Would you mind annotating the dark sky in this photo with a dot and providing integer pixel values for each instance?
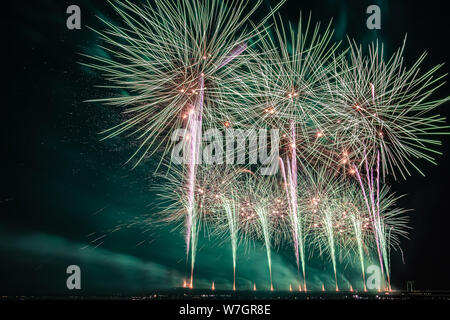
(62, 188)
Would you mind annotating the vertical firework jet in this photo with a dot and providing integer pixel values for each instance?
(231, 210)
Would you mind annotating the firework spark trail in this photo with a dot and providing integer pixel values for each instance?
(293, 208)
(369, 210)
(264, 223)
(372, 89)
(230, 208)
(369, 177)
(289, 199)
(194, 140)
(292, 170)
(384, 252)
(293, 194)
(327, 220)
(296, 214)
(385, 255)
(378, 183)
(379, 231)
(378, 228)
(356, 222)
(234, 53)
(291, 211)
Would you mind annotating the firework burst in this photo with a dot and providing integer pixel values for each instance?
(172, 58)
(382, 106)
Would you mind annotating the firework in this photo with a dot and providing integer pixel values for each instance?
(381, 106)
(347, 121)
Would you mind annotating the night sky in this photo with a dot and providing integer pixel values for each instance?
(62, 189)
